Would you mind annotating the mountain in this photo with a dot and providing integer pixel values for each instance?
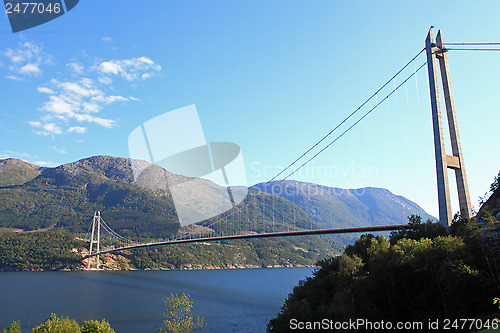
(17, 172)
(332, 207)
(65, 197)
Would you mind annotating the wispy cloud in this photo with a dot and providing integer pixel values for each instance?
(129, 69)
(30, 158)
(30, 68)
(75, 67)
(14, 78)
(105, 80)
(35, 123)
(25, 60)
(45, 128)
(77, 100)
(45, 90)
(48, 129)
(59, 150)
(82, 98)
(76, 129)
(16, 154)
(82, 90)
(47, 164)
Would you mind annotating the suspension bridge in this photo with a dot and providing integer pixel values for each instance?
(233, 225)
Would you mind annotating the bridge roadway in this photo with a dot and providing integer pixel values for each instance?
(264, 235)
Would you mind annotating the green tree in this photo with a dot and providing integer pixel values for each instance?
(95, 326)
(57, 325)
(495, 184)
(412, 279)
(493, 187)
(418, 230)
(177, 317)
(15, 327)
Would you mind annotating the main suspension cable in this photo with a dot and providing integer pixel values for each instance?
(347, 130)
(348, 117)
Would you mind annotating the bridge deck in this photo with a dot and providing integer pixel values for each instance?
(264, 235)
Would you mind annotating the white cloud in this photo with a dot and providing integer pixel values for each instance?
(89, 107)
(107, 39)
(15, 78)
(28, 158)
(105, 80)
(16, 154)
(77, 129)
(110, 67)
(73, 99)
(58, 105)
(81, 117)
(30, 69)
(108, 123)
(45, 90)
(50, 129)
(26, 59)
(130, 69)
(76, 88)
(54, 117)
(146, 60)
(113, 99)
(87, 83)
(109, 99)
(75, 67)
(35, 123)
(82, 92)
(26, 51)
(59, 150)
(46, 163)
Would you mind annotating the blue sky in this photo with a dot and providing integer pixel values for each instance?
(271, 76)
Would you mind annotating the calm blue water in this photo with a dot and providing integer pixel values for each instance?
(241, 300)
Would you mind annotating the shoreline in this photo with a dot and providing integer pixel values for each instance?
(183, 268)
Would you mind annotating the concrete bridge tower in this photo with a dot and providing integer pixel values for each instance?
(436, 52)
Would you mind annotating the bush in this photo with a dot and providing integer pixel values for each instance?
(95, 326)
(177, 317)
(15, 327)
(57, 324)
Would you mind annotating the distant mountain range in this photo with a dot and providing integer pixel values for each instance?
(332, 207)
(66, 196)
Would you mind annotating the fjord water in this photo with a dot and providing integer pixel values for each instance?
(242, 300)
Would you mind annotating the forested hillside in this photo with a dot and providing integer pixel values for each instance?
(64, 199)
(417, 275)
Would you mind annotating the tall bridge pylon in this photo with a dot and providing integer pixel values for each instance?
(94, 238)
(436, 52)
